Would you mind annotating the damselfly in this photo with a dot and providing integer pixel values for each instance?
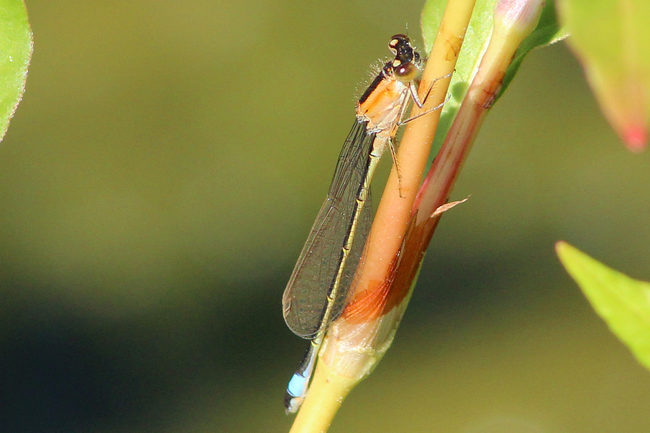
(317, 290)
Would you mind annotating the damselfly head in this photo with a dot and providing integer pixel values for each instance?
(399, 44)
(407, 61)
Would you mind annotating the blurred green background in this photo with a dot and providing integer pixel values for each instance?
(161, 175)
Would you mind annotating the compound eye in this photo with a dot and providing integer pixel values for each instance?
(397, 41)
(405, 71)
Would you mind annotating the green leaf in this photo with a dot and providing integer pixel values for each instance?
(15, 53)
(623, 302)
(477, 37)
(612, 40)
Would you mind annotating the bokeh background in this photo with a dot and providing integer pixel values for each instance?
(161, 175)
